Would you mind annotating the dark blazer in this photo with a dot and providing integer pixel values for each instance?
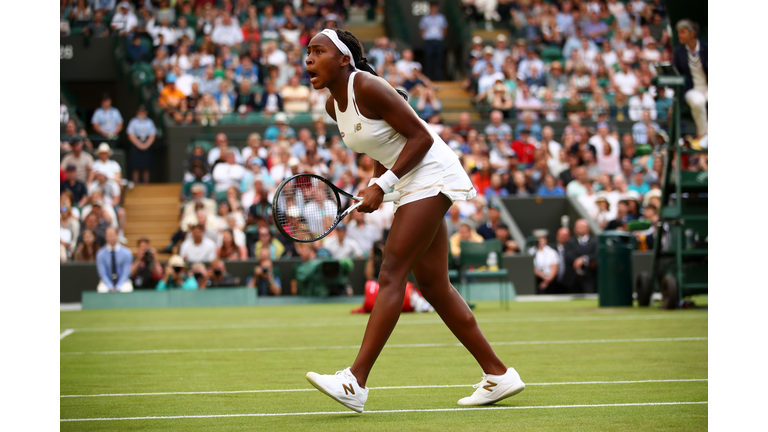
(264, 100)
(680, 60)
(574, 250)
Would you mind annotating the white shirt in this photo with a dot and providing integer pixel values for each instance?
(588, 202)
(110, 168)
(110, 190)
(486, 81)
(697, 69)
(625, 82)
(226, 175)
(637, 105)
(405, 67)
(215, 153)
(277, 58)
(227, 35)
(365, 235)
(65, 235)
(169, 36)
(317, 225)
(348, 249)
(124, 22)
(194, 253)
(544, 258)
(184, 83)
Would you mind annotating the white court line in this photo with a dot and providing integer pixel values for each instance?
(378, 388)
(436, 345)
(386, 411)
(362, 323)
(66, 333)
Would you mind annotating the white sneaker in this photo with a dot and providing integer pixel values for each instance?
(494, 388)
(342, 387)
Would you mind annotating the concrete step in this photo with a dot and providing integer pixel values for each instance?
(490, 35)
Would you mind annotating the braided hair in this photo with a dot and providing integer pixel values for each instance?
(348, 39)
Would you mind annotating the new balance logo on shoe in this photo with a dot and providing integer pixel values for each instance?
(349, 389)
(490, 385)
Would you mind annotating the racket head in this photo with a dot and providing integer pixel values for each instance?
(306, 207)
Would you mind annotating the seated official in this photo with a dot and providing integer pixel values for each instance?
(113, 263)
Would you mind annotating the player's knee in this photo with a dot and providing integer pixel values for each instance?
(695, 99)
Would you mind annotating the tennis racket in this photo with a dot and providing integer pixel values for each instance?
(307, 207)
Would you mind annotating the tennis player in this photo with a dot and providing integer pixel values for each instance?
(374, 119)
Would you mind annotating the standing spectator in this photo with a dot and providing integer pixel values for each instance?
(266, 278)
(107, 120)
(563, 235)
(691, 58)
(176, 277)
(141, 132)
(72, 184)
(581, 255)
(432, 29)
(113, 263)
(146, 270)
(340, 246)
(124, 21)
(198, 248)
(545, 264)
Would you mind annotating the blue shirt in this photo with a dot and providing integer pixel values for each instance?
(123, 259)
(142, 128)
(433, 26)
(556, 192)
(490, 192)
(535, 130)
(107, 120)
(273, 132)
(251, 74)
(642, 189)
(640, 132)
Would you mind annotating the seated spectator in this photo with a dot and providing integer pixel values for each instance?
(526, 102)
(217, 153)
(87, 248)
(207, 111)
(529, 124)
(519, 186)
(267, 242)
(218, 276)
(550, 188)
(124, 21)
(340, 246)
(508, 246)
(625, 80)
(545, 264)
(96, 28)
(227, 32)
(183, 115)
(271, 102)
(176, 277)
(266, 278)
(644, 131)
(81, 11)
(72, 134)
(453, 219)
(198, 197)
(524, 147)
(551, 109)
(495, 189)
(97, 225)
(106, 120)
(72, 184)
(227, 174)
(110, 168)
(170, 97)
(488, 229)
(113, 263)
(577, 186)
(246, 98)
(280, 129)
(464, 125)
(574, 105)
(604, 213)
(640, 102)
(638, 183)
(229, 251)
(295, 96)
(363, 232)
(496, 127)
(198, 248)
(465, 233)
(556, 80)
(597, 105)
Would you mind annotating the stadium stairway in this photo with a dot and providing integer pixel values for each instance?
(152, 211)
(366, 31)
(455, 100)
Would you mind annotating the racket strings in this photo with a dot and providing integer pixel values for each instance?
(306, 208)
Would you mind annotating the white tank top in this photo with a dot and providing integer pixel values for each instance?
(379, 140)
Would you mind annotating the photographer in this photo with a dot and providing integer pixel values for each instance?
(145, 270)
(266, 278)
(175, 276)
(200, 273)
(218, 276)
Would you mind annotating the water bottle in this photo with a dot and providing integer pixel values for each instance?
(564, 221)
(492, 261)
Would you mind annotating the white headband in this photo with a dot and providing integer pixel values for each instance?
(339, 44)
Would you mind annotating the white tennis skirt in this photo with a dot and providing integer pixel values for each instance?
(431, 179)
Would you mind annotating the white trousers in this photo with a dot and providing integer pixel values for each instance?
(697, 100)
(125, 288)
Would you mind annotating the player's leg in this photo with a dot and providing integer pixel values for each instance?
(432, 276)
(412, 232)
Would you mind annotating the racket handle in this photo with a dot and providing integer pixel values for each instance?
(390, 197)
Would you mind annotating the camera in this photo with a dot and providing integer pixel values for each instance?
(265, 269)
(217, 272)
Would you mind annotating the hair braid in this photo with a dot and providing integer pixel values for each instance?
(356, 48)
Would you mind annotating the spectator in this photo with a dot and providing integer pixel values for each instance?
(495, 189)
(228, 250)
(227, 174)
(210, 83)
(72, 184)
(97, 225)
(691, 58)
(87, 248)
(641, 101)
(604, 213)
(362, 232)
(465, 233)
(295, 96)
(267, 242)
(488, 229)
(72, 134)
(545, 264)
(519, 186)
(110, 168)
(644, 131)
(68, 221)
(182, 29)
(581, 256)
(432, 29)
(597, 105)
(607, 149)
(141, 132)
(170, 97)
(638, 181)
(625, 80)
(198, 248)
(526, 103)
(496, 127)
(550, 188)
(246, 98)
(113, 263)
(563, 235)
(271, 101)
(266, 278)
(578, 187)
(280, 129)
(163, 34)
(175, 276)
(217, 153)
(524, 147)
(146, 270)
(340, 246)
(96, 28)
(551, 109)
(207, 111)
(198, 192)
(574, 106)
(81, 11)
(107, 120)
(218, 276)
(464, 125)
(529, 124)
(453, 219)
(556, 81)
(508, 245)
(124, 21)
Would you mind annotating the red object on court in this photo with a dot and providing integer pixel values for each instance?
(372, 289)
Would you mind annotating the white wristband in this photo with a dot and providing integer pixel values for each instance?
(387, 180)
(372, 181)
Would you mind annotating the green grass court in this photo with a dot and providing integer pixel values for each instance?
(243, 368)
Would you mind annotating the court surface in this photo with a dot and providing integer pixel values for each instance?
(243, 368)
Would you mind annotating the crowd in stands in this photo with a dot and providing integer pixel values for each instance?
(212, 59)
